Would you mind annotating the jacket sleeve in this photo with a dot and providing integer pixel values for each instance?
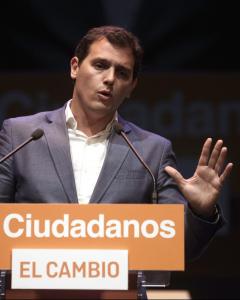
(198, 232)
(7, 184)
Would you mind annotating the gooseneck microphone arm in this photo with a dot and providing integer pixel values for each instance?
(37, 134)
(119, 130)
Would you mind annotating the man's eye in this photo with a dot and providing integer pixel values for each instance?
(100, 66)
(123, 74)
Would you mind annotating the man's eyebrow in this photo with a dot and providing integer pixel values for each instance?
(96, 59)
(123, 68)
(105, 60)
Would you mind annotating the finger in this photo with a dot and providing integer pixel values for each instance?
(221, 159)
(226, 172)
(215, 154)
(175, 175)
(203, 160)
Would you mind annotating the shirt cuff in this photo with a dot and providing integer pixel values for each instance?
(214, 218)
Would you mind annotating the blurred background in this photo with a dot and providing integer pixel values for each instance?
(188, 90)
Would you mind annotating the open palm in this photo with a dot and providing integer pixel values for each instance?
(203, 188)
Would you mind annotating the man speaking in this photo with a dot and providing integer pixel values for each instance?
(89, 154)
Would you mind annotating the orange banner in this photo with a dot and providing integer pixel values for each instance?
(152, 234)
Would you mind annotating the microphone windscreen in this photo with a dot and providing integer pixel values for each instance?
(37, 134)
(117, 127)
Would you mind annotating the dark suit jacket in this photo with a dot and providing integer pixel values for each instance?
(42, 171)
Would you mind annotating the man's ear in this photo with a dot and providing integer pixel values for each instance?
(134, 83)
(74, 65)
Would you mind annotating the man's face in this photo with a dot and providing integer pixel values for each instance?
(103, 79)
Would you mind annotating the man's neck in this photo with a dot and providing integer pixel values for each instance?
(89, 123)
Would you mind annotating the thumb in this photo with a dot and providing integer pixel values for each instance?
(175, 175)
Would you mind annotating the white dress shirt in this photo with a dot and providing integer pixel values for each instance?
(87, 154)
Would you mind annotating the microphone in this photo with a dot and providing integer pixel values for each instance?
(119, 130)
(37, 134)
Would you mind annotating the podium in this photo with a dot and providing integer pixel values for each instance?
(135, 291)
(92, 251)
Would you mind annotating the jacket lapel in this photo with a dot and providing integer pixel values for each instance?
(57, 138)
(58, 143)
(115, 156)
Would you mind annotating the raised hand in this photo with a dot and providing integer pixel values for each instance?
(203, 188)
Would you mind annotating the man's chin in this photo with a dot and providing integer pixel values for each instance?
(103, 111)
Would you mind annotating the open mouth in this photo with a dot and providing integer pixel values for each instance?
(105, 95)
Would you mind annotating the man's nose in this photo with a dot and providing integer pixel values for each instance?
(109, 76)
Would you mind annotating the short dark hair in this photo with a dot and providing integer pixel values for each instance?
(117, 36)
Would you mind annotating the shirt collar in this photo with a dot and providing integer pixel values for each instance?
(72, 123)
